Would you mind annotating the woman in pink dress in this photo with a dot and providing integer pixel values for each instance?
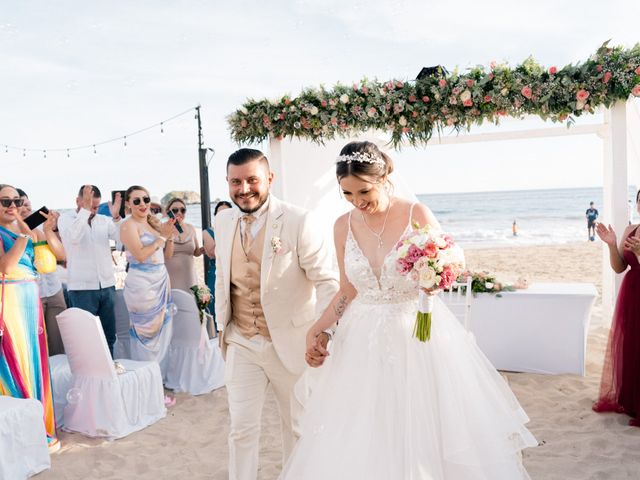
(620, 384)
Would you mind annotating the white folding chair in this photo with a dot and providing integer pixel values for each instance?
(61, 379)
(23, 439)
(458, 299)
(194, 362)
(121, 349)
(101, 402)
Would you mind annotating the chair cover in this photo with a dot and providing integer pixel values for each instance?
(458, 300)
(23, 440)
(100, 402)
(121, 348)
(194, 362)
(61, 379)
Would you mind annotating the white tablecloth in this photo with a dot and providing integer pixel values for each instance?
(542, 329)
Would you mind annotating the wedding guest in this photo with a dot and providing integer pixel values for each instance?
(155, 207)
(85, 236)
(49, 284)
(620, 383)
(147, 288)
(24, 364)
(209, 246)
(25, 209)
(185, 247)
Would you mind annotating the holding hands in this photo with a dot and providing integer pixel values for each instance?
(316, 348)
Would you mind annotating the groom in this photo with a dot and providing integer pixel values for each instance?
(274, 279)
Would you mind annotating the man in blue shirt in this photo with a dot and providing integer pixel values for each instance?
(592, 215)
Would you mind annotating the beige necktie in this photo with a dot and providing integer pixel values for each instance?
(247, 237)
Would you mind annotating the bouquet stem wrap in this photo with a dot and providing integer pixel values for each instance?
(422, 328)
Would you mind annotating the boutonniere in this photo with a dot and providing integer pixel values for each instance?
(276, 245)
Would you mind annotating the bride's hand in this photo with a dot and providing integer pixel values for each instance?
(316, 350)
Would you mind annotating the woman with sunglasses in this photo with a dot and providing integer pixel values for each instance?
(24, 363)
(209, 248)
(147, 289)
(185, 246)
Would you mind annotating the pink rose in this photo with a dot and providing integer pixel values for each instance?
(582, 95)
(447, 277)
(334, 121)
(281, 117)
(323, 103)
(414, 114)
(493, 64)
(390, 85)
(468, 102)
(449, 240)
(425, 99)
(607, 77)
(414, 253)
(553, 71)
(456, 90)
(491, 76)
(442, 82)
(470, 82)
(412, 98)
(526, 92)
(243, 123)
(403, 266)
(636, 91)
(399, 84)
(287, 101)
(637, 70)
(598, 68)
(355, 87)
(487, 98)
(365, 90)
(431, 250)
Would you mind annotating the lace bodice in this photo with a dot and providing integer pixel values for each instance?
(391, 287)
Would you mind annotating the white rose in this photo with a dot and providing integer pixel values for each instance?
(344, 98)
(466, 95)
(421, 264)
(504, 92)
(488, 285)
(314, 110)
(244, 110)
(402, 121)
(427, 278)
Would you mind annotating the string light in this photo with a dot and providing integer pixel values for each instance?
(123, 138)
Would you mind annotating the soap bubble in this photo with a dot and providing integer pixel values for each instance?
(74, 395)
(173, 309)
(40, 330)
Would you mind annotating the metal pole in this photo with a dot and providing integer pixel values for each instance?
(205, 199)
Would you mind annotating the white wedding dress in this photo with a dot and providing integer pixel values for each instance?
(389, 407)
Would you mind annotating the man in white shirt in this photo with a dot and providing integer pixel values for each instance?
(85, 236)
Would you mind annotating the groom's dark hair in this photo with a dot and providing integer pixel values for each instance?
(246, 155)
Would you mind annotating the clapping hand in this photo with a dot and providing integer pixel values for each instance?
(114, 207)
(52, 220)
(632, 243)
(606, 234)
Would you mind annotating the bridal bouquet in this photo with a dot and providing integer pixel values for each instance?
(203, 298)
(432, 258)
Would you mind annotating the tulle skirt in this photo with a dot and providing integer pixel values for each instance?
(386, 406)
(620, 385)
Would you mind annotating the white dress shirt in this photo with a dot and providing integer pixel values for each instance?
(89, 261)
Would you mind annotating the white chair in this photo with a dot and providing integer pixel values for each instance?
(458, 299)
(194, 362)
(61, 379)
(100, 402)
(23, 439)
(121, 349)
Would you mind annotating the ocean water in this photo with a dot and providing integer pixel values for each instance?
(484, 219)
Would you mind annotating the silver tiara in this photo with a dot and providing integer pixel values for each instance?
(362, 157)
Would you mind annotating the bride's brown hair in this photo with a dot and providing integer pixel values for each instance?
(151, 219)
(376, 164)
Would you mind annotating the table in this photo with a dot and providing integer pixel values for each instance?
(542, 329)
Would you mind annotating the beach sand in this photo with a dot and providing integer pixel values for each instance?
(575, 443)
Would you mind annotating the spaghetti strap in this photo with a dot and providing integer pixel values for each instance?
(349, 221)
(411, 214)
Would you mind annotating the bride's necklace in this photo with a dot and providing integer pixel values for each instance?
(378, 235)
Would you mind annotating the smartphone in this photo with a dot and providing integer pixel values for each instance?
(34, 220)
(177, 224)
(113, 200)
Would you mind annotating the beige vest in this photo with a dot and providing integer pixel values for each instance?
(246, 309)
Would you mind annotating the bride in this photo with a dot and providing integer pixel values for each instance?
(386, 406)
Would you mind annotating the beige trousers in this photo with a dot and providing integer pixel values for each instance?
(251, 366)
(51, 307)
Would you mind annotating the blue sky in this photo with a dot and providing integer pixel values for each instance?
(79, 72)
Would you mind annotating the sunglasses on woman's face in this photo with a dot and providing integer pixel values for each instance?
(137, 201)
(155, 210)
(6, 202)
(179, 210)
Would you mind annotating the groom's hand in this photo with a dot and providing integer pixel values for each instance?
(317, 350)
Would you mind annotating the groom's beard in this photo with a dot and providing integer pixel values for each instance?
(261, 201)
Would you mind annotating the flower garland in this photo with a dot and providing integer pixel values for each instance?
(411, 111)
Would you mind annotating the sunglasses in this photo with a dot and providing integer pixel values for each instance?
(155, 210)
(179, 210)
(6, 202)
(138, 201)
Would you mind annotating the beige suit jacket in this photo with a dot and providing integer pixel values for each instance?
(296, 284)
